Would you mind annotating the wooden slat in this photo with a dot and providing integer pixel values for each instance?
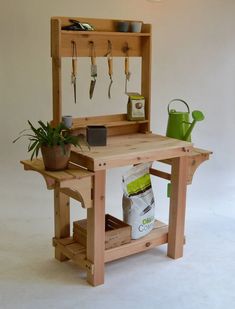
(146, 75)
(115, 124)
(105, 33)
(177, 207)
(84, 121)
(100, 40)
(160, 174)
(74, 251)
(96, 230)
(131, 149)
(56, 71)
(98, 23)
(156, 237)
(61, 219)
(38, 166)
(106, 123)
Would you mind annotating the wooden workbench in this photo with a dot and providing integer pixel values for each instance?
(85, 181)
(128, 143)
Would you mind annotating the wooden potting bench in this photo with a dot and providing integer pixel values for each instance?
(128, 143)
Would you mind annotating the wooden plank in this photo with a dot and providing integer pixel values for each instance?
(75, 252)
(84, 121)
(177, 207)
(71, 173)
(131, 149)
(106, 33)
(146, 75)
(96, 230)
(100, 24)
(38, 166)
(57, 91)
(156, 237)
(160, 174)
(116, 124)
(56, 70)
(55, 37)
(80, 123)
(100, 40)
(134, 144)
(65, 241)
(61, 219)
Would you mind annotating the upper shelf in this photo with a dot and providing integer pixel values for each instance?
(106, 33)
(104, 30)
(116, 124)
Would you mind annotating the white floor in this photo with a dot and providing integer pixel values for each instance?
(31, 278)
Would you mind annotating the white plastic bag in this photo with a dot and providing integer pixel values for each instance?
(138, 200)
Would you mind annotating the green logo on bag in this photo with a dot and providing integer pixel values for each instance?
(148, 220)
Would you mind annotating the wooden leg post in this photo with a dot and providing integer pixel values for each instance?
(62, 219)
(177, 208)
(96, 231)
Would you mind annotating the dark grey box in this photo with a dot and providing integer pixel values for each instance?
(96, 135)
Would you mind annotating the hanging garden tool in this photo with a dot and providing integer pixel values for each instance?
(93, 69)
(74, 70)
(127, 72)
(110, 67)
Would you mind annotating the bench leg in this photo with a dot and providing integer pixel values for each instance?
(177, 207)
(96, 230)
(61, 219)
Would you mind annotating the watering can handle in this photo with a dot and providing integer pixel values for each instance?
(168, 107)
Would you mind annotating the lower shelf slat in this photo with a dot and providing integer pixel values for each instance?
(158, 236)
(77, 252)
(74, 251)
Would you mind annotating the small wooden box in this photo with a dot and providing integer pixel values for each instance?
(117, 232)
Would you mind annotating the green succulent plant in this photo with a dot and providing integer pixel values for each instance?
(46, 135)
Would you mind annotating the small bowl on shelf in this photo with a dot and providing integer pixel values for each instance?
(136, 26)
(122, 26)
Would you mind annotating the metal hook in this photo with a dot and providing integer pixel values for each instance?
(126, 48)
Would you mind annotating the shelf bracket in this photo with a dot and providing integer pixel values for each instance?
(80, 190)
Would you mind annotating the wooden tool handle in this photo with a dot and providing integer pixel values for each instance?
(93, 60)
(74, 65)
(110, 64)
(126, 65)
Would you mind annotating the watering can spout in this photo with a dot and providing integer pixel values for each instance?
(197, 116)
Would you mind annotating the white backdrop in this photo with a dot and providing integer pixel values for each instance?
(193, 59)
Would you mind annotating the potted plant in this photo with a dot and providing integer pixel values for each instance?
(54, 142)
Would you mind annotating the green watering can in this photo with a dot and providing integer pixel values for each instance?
(179, 126)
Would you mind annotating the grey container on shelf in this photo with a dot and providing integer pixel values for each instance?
(122, 26)
(96, 135)
(136, 26)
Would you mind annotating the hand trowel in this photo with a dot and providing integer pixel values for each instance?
(93, 70)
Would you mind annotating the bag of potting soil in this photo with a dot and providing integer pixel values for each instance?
(138, 200)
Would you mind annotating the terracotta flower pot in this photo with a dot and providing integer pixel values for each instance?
(54, 157)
